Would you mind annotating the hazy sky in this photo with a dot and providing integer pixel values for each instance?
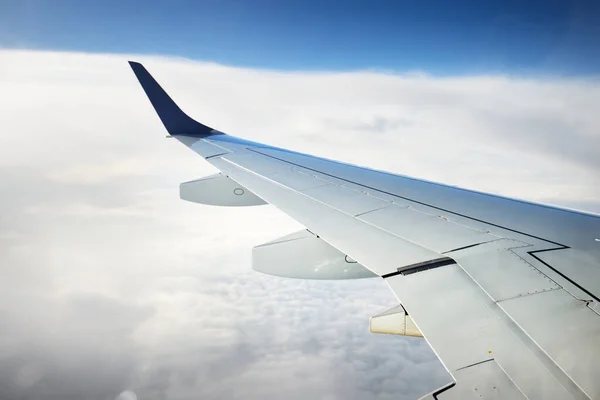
(112, 287)
(462, 37)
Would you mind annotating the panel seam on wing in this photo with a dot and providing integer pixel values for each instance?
(408, 199)
(322, 203)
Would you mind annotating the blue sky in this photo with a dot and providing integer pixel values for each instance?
(439, 37)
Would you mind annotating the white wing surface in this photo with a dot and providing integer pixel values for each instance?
(506, 292)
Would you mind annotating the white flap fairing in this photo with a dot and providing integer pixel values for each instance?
(305, 256)
(218, 190)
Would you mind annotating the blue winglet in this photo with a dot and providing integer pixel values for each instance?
(176, 121)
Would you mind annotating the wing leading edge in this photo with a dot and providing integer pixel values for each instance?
(487, 280)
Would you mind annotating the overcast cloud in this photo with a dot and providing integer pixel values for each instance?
(112, 287)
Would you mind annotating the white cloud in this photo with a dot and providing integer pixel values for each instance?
(113, 287)
(126, 395)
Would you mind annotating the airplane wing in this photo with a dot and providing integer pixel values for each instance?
(506, 292)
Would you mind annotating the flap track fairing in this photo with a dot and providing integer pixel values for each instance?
(304, 255)
(218, 190)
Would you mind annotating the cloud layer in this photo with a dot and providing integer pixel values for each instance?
(111, 287)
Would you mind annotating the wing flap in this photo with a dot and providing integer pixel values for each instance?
(466, 327)
(566, 329)
(485, 380)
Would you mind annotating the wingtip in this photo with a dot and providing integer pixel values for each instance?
(173, 118)
(135, 65)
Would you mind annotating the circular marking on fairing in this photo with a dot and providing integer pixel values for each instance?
(238, 191)
(350, 260)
